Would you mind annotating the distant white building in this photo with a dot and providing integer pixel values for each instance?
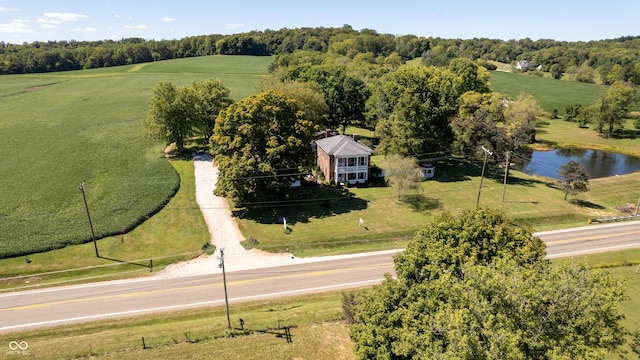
(522, 64)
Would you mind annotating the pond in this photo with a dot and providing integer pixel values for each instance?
(597, 163)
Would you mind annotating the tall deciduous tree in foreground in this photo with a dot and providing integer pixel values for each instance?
(259, 145)
(471, 286)
(574, 178)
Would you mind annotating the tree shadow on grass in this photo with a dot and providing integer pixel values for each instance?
(453, 170)
(421, 203)
(524, 182)
(309, 202)
(626, 134)
(586, 204)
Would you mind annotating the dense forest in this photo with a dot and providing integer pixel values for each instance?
(602, 61)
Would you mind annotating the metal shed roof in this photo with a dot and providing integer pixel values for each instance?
(342, 145)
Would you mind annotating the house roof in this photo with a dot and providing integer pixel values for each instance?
(342, 145)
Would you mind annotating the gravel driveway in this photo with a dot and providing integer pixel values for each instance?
(225, 233)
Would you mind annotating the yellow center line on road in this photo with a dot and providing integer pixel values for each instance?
(590, 238)
(150, 292)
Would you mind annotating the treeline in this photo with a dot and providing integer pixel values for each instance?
(602, 61)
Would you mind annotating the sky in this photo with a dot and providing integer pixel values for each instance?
(88, 20)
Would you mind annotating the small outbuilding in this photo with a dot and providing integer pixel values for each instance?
(428, 170)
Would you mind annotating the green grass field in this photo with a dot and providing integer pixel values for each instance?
(61, 129)
(551, 94)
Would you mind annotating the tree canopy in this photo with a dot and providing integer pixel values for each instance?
(574, 178)
(176, 113)
(402, 172)
(261, 145)
(344, 95)
(166, 120)
(414, 105)
(612, 108)
(472, 286)
(603, 61)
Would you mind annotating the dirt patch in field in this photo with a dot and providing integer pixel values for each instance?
(38, 87)
(34, 88)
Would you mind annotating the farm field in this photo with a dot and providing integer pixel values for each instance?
(62, 129)
(551, 94)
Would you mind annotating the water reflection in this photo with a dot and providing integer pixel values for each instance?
(597, 163)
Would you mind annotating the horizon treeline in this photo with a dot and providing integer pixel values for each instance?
(602, 61)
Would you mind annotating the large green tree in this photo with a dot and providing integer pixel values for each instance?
(612, 108)
(345, 95)
(472, 286)
(477, 124)
(403, 173)
(260, 145)
(309, 96)
(521, 118)
(166, 120)
(178, 112)
(207, 99)
(413, 106)
(469, 76)
(574, 178)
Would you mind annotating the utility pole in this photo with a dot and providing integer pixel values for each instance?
(93, 235)
(637, 206)
(224, 280)
(484, 164)
(506, 174)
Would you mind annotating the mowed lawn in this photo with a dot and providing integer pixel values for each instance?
(59, 130)
(327, 221)
(551, 94)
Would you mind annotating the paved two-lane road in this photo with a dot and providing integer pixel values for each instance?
(48, 307)
(591, 239)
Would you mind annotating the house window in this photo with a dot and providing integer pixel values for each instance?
(351, 176)
(342, 161)
(352, 161)
(362, 176)
(362, 161)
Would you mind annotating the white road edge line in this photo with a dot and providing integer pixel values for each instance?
(571, 253)
(174, 307)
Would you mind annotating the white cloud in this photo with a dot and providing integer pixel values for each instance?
(65, 16)
(233, 26)
(85, 29)
(136, 27)
(45, 21)
(15, 28)
(166, 18)
(48, 26)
